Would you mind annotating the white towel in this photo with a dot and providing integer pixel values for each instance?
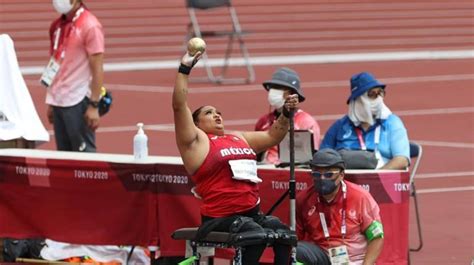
(360, 111)
(16, 105)
(55, 250)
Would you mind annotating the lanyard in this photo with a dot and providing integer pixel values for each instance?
(57, 34)
(322, 217)
(361, 138)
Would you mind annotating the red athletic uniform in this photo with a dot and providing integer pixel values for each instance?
(221, 195)
(361, 210)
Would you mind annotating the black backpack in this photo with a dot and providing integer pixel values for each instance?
(22, 248)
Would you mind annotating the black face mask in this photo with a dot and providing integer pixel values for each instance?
(325, 186)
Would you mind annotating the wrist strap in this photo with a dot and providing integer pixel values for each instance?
(184, 69)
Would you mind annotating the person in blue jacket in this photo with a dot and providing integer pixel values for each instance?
(370, 125)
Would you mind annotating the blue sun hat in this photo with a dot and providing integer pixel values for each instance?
(361, 83)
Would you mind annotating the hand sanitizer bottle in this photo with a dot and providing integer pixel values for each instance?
(140, 144)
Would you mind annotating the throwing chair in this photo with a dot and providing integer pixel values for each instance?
(220, 240)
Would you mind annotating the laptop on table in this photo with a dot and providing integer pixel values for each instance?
(304, 149)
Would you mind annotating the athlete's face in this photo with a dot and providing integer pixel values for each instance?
(210, 120)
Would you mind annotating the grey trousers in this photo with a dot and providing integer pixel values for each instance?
(310, 254)
(70, 129)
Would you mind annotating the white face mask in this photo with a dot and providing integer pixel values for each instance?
(360, 110)
(62, 6)
(275, 98)
(376, 106)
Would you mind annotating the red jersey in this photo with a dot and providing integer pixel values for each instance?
(361, 211)
(222, 195)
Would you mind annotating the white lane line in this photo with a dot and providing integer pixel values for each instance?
(439, 190)
(339, 84)
(308, 85)
(444, 175)
(271, 36)
(239, 122)
(401, 113)
(124, 58)
(446, 144)
(435, 111)
(279, 60)
(311, 46)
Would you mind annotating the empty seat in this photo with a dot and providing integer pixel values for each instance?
(200, 8)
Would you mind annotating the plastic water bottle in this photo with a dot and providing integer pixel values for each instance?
(140, 144)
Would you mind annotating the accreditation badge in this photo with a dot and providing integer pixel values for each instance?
(339, 255)
(50, 72)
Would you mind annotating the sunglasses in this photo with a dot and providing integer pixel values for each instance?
(327, 174)
(373, 94)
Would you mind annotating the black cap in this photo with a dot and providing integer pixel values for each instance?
(327, 158)
(288, 78)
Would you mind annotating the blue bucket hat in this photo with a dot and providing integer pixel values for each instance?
(288, 78)
(361, 83)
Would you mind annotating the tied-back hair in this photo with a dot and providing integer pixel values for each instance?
(196, 114)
